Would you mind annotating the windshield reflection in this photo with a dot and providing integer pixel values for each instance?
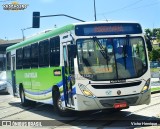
(111, 58)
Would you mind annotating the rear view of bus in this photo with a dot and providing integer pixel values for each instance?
(113, 64)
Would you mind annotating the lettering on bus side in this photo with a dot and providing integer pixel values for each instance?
(30, 75)
(117, 81)
(32, 83)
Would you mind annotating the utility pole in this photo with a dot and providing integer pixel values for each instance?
(95, 11)
(23, 32)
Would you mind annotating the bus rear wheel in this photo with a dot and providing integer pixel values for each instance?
(58, 107)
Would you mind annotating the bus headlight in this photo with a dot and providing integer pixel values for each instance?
(85, 91)
(146, 86)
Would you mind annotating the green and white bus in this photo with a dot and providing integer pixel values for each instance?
(84, 66)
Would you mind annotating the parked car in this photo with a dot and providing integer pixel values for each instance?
(154, 64)
(3, 82)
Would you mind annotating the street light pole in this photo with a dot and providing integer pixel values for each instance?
(95, 11)
(23, 32)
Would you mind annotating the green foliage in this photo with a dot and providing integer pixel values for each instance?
(158, 37)
(155, 70)
(155, 89)
(150, 55)
(154, 55)
(154, 34)
(148, 32)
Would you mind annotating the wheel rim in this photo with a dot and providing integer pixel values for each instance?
(60, 104)
(22, 96)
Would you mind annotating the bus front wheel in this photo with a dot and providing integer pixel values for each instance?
(58, 107)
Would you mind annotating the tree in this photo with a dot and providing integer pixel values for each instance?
(158, 37)
(153, 33)
(148, 33)
(154, 55)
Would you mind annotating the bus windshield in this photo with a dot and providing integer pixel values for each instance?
(102, 59)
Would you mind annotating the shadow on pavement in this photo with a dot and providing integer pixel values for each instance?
(4, 93)
(89, 118)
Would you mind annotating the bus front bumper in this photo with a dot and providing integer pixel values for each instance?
(98, 103)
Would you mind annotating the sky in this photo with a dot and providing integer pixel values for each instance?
(146, 12)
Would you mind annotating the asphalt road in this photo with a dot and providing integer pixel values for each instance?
(134, 117)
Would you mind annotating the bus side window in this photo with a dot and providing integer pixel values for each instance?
(19, 58)
(34, 55)
(26, 57)
(9, 61)
(44, 53)
(55, 51)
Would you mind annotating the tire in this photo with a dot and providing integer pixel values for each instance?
(24, 101)
(58, 105)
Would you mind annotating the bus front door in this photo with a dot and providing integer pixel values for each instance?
(68, 80)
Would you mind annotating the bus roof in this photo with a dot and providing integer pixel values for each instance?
(43, 36)
(102, 22)
(56, 32)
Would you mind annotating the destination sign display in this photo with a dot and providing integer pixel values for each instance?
(108, 29)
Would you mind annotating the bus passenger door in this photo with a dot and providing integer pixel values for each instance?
(13, 75)
(68, 80)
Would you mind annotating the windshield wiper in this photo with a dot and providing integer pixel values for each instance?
(103, 51)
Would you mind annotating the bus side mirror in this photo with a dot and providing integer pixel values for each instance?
(72, 50)
(36, 20)
(149, 44)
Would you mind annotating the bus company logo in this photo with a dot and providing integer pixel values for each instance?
(119, 92)
(14, 6)
(108, 92)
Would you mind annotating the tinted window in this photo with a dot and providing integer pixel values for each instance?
(8, 61)
(44, 53)
(26, 57)
(55, 51)
(19, 58)
(34, 55)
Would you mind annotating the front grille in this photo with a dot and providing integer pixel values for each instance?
(109, 86)
(111, 102)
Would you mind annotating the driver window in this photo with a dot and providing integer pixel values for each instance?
(70, 60)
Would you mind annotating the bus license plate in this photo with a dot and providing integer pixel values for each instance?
(120, 105)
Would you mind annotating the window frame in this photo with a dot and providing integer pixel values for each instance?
(19, 58)
(44, 55)
(34, 57)
(55, 51)
(27, 57)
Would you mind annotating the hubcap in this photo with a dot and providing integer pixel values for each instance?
(60, 105)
